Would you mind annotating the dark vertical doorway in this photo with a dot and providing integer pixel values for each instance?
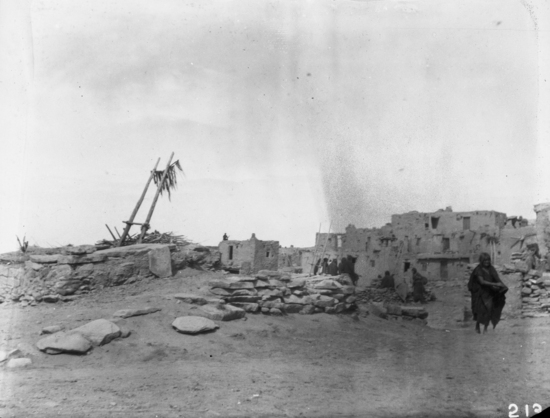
(231, 252)
(466, 223)
(444, 270)
(406, 266)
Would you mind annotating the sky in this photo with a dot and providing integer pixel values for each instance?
(287, 117)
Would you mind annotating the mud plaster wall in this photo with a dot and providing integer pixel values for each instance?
(542, 225)
(250, 255)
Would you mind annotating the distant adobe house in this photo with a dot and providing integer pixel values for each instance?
(249, 256)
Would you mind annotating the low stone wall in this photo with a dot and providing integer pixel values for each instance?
(276, 293)
(75, 270)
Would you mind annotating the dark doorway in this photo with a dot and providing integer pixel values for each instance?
(444, 270)
(406, 266)
(466, 223)
(435, 222)
(231, 252)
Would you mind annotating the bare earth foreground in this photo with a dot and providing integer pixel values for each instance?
(297, 365)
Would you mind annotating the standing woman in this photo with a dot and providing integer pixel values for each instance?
(487, 293)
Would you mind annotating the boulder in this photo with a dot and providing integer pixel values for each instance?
(293, 307)
(324, 301)
(127, 313)
(297, 283)
(273, 305)
(160, 263)
(243, 299)
(275, 312)
(351, 299)
(194, 325)
(261, 284)
(328, 284)
(244, 292)
(293, 299)
(79, 250)
(275, 283)
(268, 274)
(50, 298)
(219, 292)
(98, 332)
(62, 342)
(348, 290)
(18, 362)
(270, 293)
(308, 310)
(526, 291)
(52, 329)
(224, 313)
(247, 307)
(231, 284)
(190, 298)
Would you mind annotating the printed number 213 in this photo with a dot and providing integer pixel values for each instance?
(513, 410)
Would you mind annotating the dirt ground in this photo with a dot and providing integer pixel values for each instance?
(296, 366)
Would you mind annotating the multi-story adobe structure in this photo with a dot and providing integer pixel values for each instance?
(439, 244)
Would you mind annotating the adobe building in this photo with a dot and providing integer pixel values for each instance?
(439, 244)
(249, 256)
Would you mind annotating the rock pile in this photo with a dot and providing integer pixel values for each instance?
(276, 293)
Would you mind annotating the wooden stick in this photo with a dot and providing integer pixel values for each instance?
(116, 230)
(134, 213)
(145, 225)
(110, 232)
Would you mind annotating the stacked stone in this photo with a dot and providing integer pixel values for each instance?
(79, 270)
(535, 292)
(276, 293)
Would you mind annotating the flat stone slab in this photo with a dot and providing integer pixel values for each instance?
(52, 329)
(98, 332)
(79, 250)
(194, 325)
(45, 259)
(127, 313)
(160, 262)
(81, 259)
(18, 362)
(328, 284)
(231, 284)
(228, 313)
(136, 249)
(190, 298)
(62, 342)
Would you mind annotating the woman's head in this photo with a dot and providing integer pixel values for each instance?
(485, 259)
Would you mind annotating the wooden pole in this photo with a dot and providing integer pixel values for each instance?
(110, 232)
(134, 213)
(145, 225)
(315, 252)
(326, 241)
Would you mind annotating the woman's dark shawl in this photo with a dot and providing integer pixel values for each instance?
(487, 302)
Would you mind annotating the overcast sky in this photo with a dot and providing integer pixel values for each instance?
(284, 115)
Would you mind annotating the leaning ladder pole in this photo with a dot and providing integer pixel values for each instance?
(145, 225)
(326, 241)
(315, 252)
(129, 223)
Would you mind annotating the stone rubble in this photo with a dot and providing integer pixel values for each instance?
(276, 293)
